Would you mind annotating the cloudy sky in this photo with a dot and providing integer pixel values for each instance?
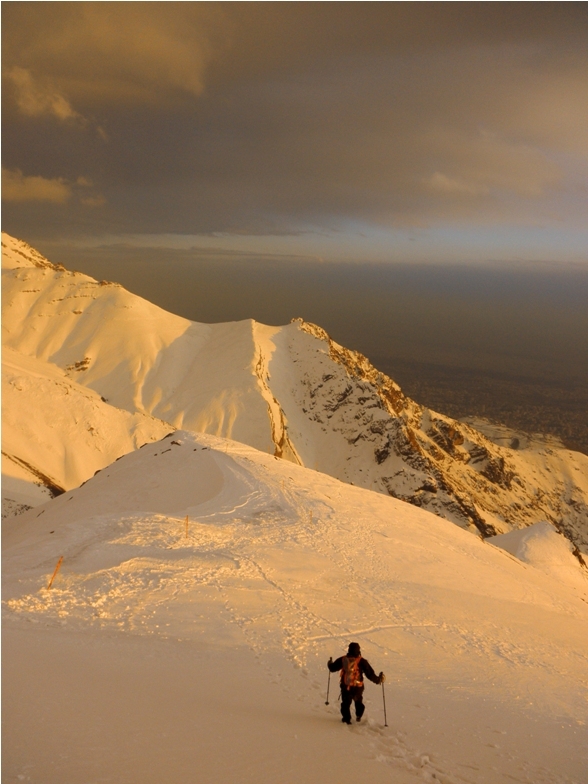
(363, 132)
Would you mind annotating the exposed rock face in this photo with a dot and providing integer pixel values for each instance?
(427, 459)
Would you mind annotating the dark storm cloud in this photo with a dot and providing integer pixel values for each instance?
(277, 117)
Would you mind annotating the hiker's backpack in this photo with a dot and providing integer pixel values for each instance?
(351, 673)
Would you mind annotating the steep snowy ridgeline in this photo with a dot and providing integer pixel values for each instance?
(56, 433)
(502, 435)
(17, 254)
(136, 355)
(293, 564)
(293, 392)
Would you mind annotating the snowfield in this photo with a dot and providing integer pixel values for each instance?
(197, 652)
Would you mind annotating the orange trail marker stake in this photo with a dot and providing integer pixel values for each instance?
(186, 526)
(55, 572)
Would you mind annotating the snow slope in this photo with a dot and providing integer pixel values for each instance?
(542, 546)
(162, 653)
(56, 433)
(290, 391)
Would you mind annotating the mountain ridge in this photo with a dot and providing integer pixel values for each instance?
(291, 391)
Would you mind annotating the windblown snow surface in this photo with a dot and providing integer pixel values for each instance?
(174, 652)
(289, 391)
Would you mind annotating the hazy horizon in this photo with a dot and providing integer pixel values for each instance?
(519, 320)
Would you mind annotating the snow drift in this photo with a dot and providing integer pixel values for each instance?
(542, 546)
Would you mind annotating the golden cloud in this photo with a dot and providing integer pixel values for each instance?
(313, 113)
(17, 187)
(35, 99)
(110, 52)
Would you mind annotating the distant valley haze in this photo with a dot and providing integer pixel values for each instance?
(411, 176)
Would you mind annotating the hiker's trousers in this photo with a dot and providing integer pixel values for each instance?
(349, 695)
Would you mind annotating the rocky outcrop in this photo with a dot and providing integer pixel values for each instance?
(427, 459)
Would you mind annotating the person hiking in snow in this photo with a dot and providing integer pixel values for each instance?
(353, 667)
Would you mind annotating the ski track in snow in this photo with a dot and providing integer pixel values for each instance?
(294, 570)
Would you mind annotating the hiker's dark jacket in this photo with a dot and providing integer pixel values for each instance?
(365, 668)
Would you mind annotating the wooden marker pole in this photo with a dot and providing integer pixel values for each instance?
(55, 572)
(186, 526)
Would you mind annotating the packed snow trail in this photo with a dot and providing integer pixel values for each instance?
(121, 708)
(282, 567)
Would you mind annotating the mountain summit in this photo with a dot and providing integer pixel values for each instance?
(290, 391)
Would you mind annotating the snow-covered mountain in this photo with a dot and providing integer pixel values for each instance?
(289, 391)
(203, 587)
(55, 432)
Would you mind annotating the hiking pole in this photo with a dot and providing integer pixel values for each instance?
(384, 699)
(328, 686)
